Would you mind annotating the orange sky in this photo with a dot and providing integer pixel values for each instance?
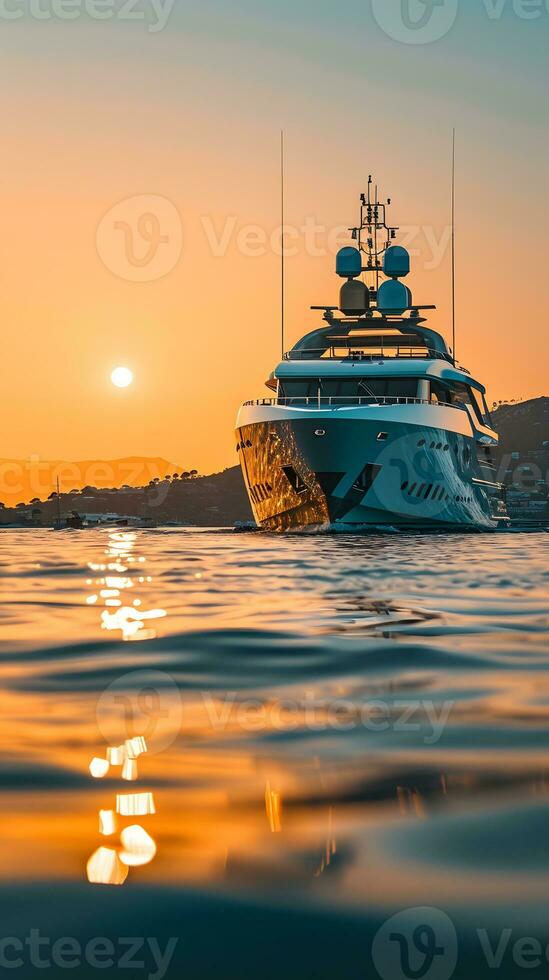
(96, 113)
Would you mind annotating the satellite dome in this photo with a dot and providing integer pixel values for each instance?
(348, 262)
(396, 262)
(393, 297)
(354, 298)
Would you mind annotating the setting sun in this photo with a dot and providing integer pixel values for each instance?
(122, 377)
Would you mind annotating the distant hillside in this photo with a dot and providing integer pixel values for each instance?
(219, 499)
(522, 427)
(22, 480)
(523, 457)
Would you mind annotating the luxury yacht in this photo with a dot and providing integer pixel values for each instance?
(371, 421)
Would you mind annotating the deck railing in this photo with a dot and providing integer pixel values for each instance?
(336, 401)
(348, 353)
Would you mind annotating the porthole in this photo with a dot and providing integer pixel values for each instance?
(320, 432)
(382, 436)
(404, 485)
(421, 443)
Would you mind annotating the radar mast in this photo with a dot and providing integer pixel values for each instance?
(374, 235)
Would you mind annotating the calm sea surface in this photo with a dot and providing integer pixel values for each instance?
(308, 736)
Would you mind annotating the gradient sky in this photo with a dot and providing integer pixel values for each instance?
(96, 112)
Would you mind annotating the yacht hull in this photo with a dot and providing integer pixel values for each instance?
(339, 470)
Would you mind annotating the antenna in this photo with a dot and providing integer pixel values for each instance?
(454, 244)
(373, 220)
(282, 269)
(376, 219)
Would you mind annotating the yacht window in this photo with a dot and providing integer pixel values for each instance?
(457, 393)
(351, 389)
(487, 413)
(370, 387)
(328, 387)
(365, 387)
(480, 406)
(440, 392)
(462, 394)
(299, 388)
(402, 387)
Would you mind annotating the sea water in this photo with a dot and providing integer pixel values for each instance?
(250, 755)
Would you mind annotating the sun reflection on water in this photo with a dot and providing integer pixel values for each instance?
(119, 613)
(109, 865)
